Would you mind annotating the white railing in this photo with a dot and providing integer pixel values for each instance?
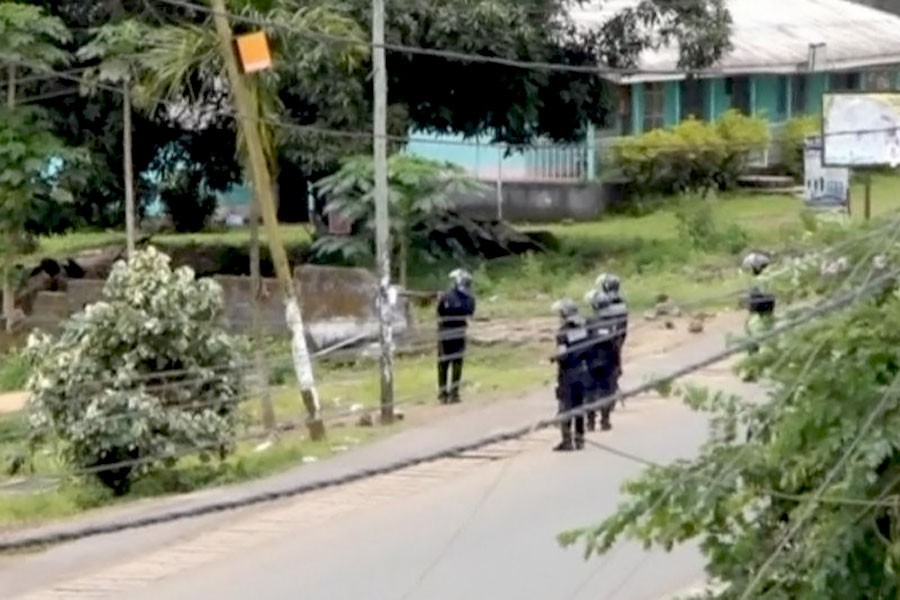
(557, 163)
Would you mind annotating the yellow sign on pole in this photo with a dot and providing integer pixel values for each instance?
(253, 50)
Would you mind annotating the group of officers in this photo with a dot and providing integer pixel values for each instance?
(588, 350)
(588, 356)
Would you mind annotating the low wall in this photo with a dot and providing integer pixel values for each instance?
(337, 304)
(537, 201)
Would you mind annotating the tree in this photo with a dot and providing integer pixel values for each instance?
(420, 192)
(140, 378)
(29, 41)
(118, 48)
(805, 504)
(37, 168)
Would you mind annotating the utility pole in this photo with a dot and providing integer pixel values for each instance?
(244, 103)
(129, 168)
(382, 213)
(9, 290)
(262, 374)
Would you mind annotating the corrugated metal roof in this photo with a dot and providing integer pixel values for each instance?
(774, 36)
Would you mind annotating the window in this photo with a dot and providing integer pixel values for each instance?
(693, 99)
(878, 81)
(798, 95)
(843, 82)
(738, 88)
(781, 107)
(654, 106)
(624, 110)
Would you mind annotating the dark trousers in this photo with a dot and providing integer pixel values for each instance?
(450, 362)
(571, 397)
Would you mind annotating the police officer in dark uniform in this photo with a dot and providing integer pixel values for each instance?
(759, 303)
(573, 377)
(605, 356)
(454, 308)
(618, 310)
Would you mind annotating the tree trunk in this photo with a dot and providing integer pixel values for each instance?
(9, 292)
(403, 260)
(262, 183)
(129, 170)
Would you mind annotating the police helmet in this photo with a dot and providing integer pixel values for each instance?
(565, 308)
(755, 262)
(461, 278)
(609, 283)
(599, 299)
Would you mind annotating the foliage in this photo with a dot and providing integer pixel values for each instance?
(35, 177)
(827, 427)
(419, 193)
(790, 142)
(691, 157)
(697, 228)
(146, 374)
(30, 39)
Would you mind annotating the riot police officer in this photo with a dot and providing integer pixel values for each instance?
(617, 310)
(455, 307)
(573, 378)
(606, 355)
(759, 303)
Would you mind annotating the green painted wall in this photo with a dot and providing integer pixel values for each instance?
(768, 89)
(637, 108)
(672, 103)
(816, 85)
(719, 101)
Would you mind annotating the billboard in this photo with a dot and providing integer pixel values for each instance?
(861, 129)
(824, 187)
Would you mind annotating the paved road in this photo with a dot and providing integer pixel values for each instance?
(487, 535)
(486, 530)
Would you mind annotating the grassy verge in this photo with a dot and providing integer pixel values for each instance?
(489, 371)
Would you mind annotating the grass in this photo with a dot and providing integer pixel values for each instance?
(488, 372)
(650, 252)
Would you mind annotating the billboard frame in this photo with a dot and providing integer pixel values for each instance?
(825, 161)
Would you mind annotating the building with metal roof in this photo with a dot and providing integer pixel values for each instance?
(775, 37)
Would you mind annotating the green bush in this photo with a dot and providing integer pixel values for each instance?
(697, 229)
(790, 143)
(143, 376)
(694, 156)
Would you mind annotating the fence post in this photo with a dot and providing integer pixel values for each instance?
(591, 157)
(499, 184)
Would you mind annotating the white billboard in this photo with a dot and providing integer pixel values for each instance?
(861, 129)
(825, 187)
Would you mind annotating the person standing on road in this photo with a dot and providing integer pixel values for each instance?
(455, 307)
(573, 377)
(760, 304)
(605, 356)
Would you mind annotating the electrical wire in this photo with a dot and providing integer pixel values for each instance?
(9, 542)
(473, 57)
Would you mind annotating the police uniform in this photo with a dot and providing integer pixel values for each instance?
(454, 308)
(607, 327)
(573, 377)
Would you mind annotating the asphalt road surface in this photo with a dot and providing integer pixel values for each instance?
(487, 535)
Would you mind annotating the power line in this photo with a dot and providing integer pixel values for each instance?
(477, 58)
(10, 543)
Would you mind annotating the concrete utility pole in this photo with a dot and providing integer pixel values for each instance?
(129, 168)
(382, 212)
(244, 103)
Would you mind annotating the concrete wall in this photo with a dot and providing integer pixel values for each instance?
(338, 304)
(537, 202)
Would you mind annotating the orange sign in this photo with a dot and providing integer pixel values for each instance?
(253, 50)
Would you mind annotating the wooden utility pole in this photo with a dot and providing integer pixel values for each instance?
(129, 169)
(9, 290)
(244, 103)
(262, 373)
(382, 213)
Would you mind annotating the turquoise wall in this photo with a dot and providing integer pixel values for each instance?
(477, 155)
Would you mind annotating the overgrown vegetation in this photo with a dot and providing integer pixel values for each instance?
(140, 378)
(791, 139)
(691, 157)
(794, 496)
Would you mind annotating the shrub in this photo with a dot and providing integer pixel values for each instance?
(694, 156)
(143, 376)
(790, 142)
(697, 229)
